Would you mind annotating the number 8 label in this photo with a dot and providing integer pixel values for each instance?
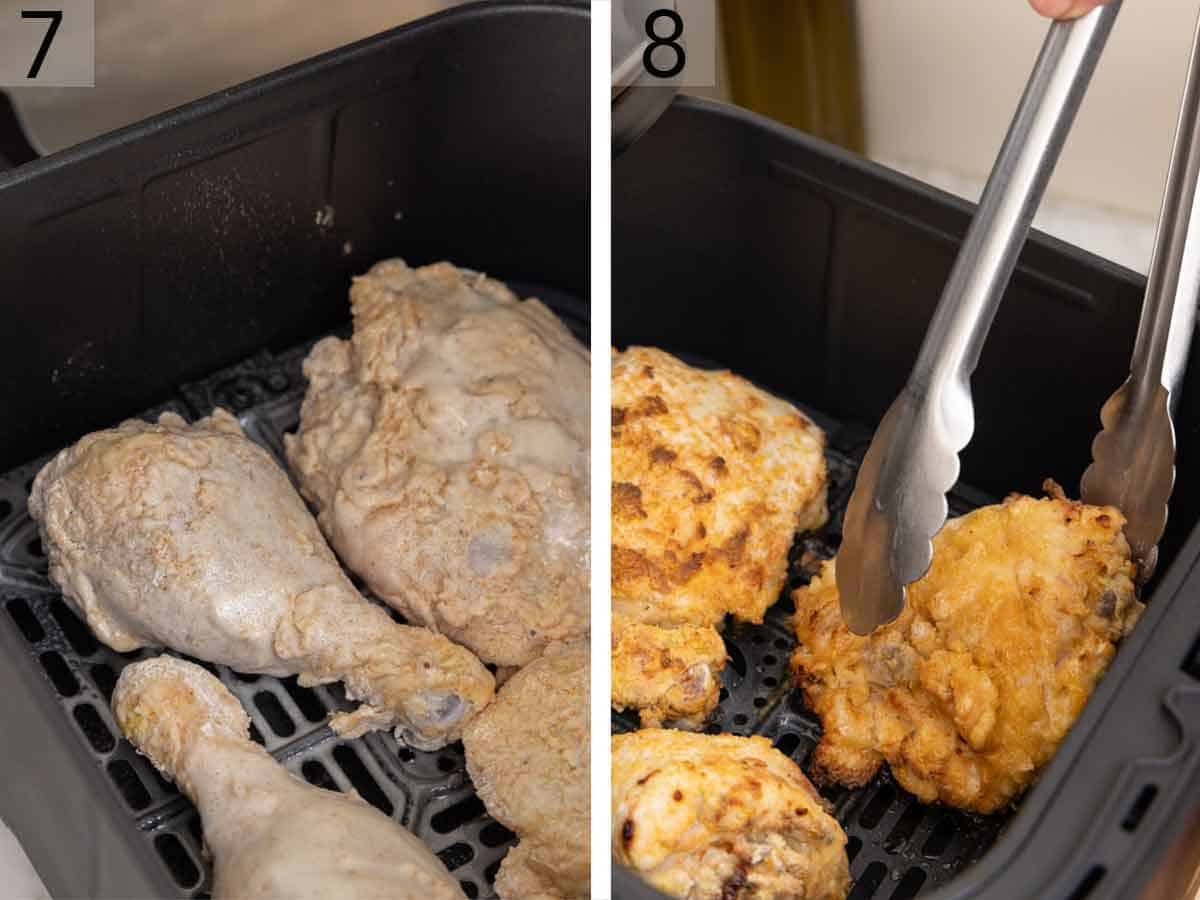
(671, 40)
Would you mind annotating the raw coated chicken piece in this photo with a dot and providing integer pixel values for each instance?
(970, 691)
(711, 479)
(271, 834)
(722, 817)
(445, 448)
(191, 537)
(528, 756)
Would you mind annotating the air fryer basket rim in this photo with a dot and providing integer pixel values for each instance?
(1125, 860)
(220, 101)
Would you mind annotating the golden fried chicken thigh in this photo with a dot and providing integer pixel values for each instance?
(667, 674)
(712, 477)
(721, 817)
(445, 447)
(528, 755)
(970, 691)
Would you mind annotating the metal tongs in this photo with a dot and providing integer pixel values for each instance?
(1133, 456)
(899, 500)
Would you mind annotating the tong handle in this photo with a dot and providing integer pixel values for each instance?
(1013, 192)
(1173, 282)
(1133, 456)
(899, 499)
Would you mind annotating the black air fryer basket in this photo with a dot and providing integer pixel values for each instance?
(190, 261)
(739, 242)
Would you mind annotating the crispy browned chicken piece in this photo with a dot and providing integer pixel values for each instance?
(271, 834)
(668, 674)
(720, 817)
(712, 477)
(528, 755)
(969, 692)
(445, 448)
(190, 536)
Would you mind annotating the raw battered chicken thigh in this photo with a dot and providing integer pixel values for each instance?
(528, 755)
(720, 817)
(712, 477)
(970, 691)
(445, 447)
(271, 834)
(192, 537)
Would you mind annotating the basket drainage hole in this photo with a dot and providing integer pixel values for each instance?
(25, 620)
(316, 774)
(940, 838)
(105, 679)
(366, 786)
(1191, 662)
(740, 719)
(737, 659)
(458, 815)
(468, 888)
(880, 804)
(1090, 880)
(306, 700)
(869, 881)
(1133, 818)
(78, 635)
(910, 885)
(447, 764)
(272, 710)
(493, 834)
(93, 728)
(787, 743)
(853, 845)
(6, 509)
(178, 860)
(760, 702)
(770, 681)
(781, 644)
(770, 659)
(60, 674)
(904, 828)
(490, 872)
(128, 784)
(35, 549)
(456, 855)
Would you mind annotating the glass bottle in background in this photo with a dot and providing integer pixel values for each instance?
(796, 61)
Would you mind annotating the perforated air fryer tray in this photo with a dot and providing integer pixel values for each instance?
(898, 847)
(428, 793)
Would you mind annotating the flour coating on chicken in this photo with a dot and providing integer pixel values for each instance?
(711, 479)
(445, 448)
(721, 817)
(529, 758)
(970, 691)
(190, 536)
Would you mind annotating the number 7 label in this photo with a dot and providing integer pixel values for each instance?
(47, 43)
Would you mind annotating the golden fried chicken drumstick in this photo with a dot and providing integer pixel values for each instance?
(721, 817)
(970, 691)
(712, 477)
(190, 536)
